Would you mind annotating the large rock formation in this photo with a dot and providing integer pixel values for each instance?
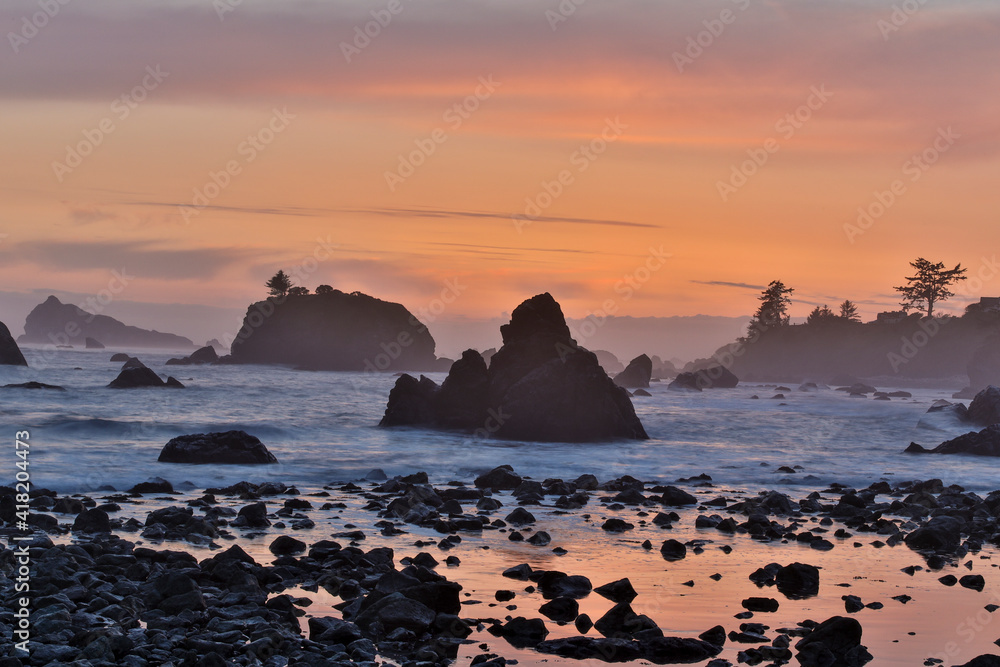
(10, 353)
(636, 374)
(985, 407)
(93, 344)
(983, 443)
(540, 385)
(333, 331)
(55, 323)
(237, 447)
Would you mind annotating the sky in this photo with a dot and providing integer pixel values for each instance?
(641, 158)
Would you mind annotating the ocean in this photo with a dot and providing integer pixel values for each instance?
(323, 428)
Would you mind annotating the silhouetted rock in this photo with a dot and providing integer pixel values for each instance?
(983, 443)
(985, 660)
(500, 478)
(636, 374)
(237, 447)
(92, 521)
(203, 355)
(334, 331)
(798, 581)
(10, 353)
(119, 356)
(713, 377)
(684, 382)
(93, 344)
(135, 374)
(539, 386)
(34, 385)
(985, 407)
(835, 641)
(940, 534)
(53, 322)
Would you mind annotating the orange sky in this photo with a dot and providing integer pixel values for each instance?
(672, 137)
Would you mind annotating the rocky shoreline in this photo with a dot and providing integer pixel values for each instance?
(234, 576)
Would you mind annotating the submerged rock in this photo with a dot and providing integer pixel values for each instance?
(236, 447)
(34, 385)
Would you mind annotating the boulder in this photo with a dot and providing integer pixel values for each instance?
(120, 356)
(92, 521)
(203, 355)
(636, 374)
(942, 533)
(501, 478)
(237, 447)
(798, 581)
(539, 386)
(835, 641)
(54, 320)
(10, 353)
(983, 443)
(985, 407)
(334, 331)
(943, 415)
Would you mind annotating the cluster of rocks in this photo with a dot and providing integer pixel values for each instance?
(540, 385)
(203, 355)
(135, 374)
(983, 411)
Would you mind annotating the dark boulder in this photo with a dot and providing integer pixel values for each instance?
(252, 516)
(712, 377)
(238, 447)
(673, 550)
(120, 356)
(835, 641)
(982, 443)
(286, 545)
(524, 632)
(203, 355)
(622, 621)
(153, 485)
(636, 374)
(685, 382)
(617, 591)
(397, 611)
(942, 533)
(674, 497)
(985, 407)
(798, 581)
(985, 660)
(540, 386)
(501, 478)
(329, 630)
(671, 650)
(592, 648)
(92, 521)
(10, 353)
(561, 610)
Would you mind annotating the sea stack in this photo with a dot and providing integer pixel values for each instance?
(10, 353)
(540, 385)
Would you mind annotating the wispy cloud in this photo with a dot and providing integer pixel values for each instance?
(724, 283)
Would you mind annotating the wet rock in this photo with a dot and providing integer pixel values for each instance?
(975, 582)
(622, 621)
(592, 648)
(835, 641)
(852, 604)
(540, 539)
(524, 632)
(520, 517)
(501, 478)
(617, 591)
(797, 581)
(985, 660)
(285, 545)
(616, 525)
(252, 516)
(555, 584)
(34, 385)
(674, 497)
(397, 611)
(756, 604)
(715, 636)
(561, 610)
(329, 630)
(153, 485)
(673, 550)
(235, 447)
(664, 650)
(942, 533)
(92, 521)
(203, 355)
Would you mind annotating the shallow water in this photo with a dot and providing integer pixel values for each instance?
(322, 426)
